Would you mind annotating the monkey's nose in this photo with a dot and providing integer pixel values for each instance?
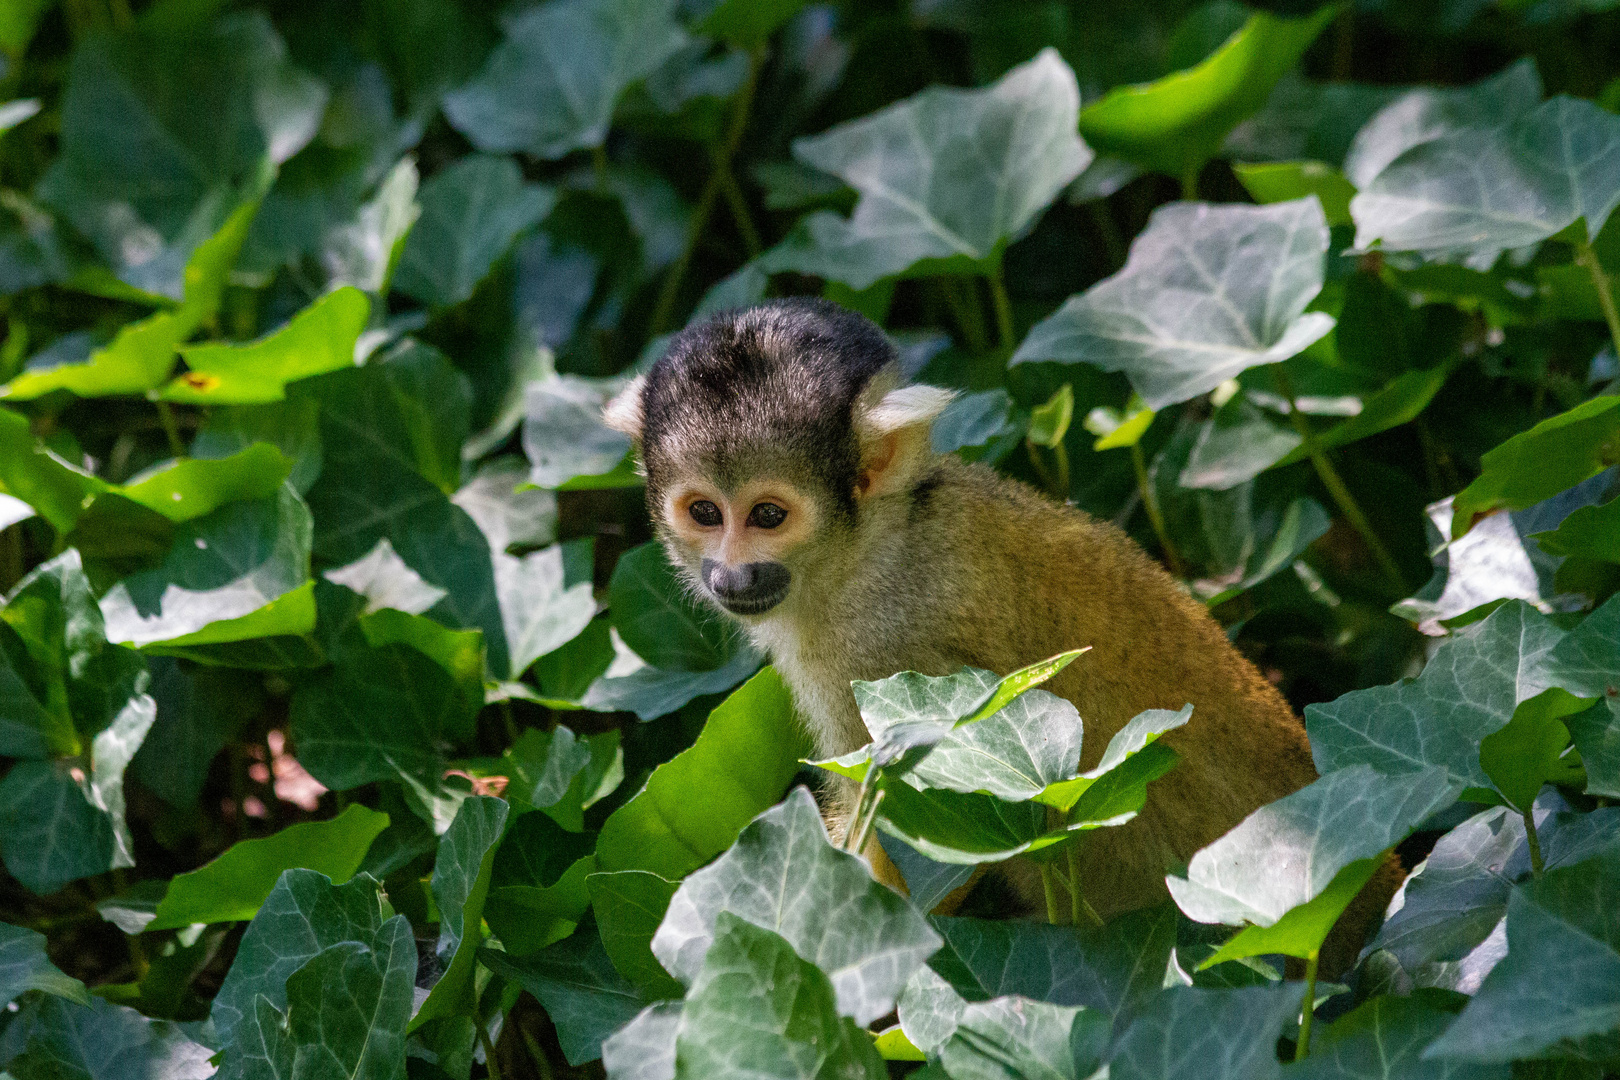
(749, 589)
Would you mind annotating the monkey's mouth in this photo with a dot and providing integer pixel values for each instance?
(753, 605)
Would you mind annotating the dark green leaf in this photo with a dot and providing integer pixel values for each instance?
(1384, 1040)
(574, 979)
(655, 614)
(629, 905)
(1560, 980)
(539, 97)
(1015, 1037)
(1212, 1034)
(101, 1041)
(564, 437)
(471, 213)
(304, 915)
(461, 876)
(24, 966)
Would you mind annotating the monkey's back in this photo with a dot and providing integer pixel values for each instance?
(1042, 578)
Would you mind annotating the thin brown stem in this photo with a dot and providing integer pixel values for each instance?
(1585, 256)
(1150, 503)
(1335, 484)
(1307, 1008)
(670, 293)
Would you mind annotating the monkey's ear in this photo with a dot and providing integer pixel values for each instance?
(623, 413)
(894, 437)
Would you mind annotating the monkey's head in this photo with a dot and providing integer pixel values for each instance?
(769, 437)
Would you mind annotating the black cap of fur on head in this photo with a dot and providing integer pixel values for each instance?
(769, 387)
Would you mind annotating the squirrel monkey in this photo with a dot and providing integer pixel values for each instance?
(790, 477)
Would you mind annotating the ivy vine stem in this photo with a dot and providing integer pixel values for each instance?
(1049, 883)
(1585, 256)
(1536, 863)
(1078, 905)
(712, 190)
(1003, 305)
(865, 832)
(489, 1050)
(1335, 483)
(853, 825)
(1150, 503)
(1307, 1009)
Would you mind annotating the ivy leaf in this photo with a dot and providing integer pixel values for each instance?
(695, 804)
(583, 995)
(304, 915)
(564, 437)
(1558, 453)
(947, 178)
(161, 134)
(1280, 181)
(364, 252)
(747, 24)
(24, 966)
(1176, 124)
(102, 1041)
(1215, 1034)
(1429, 113)
(535, 96)
(546, 599)
(1208, 291)
(346, 1013)
(392, 434)
(61, 820)
(755, 1007)
(1559, 984)
(1468, 691)
(141, 355)
(1596, 734)
(633, 686)
(629, 905)
(471, 213)
(1113, 969)
(507, 516)
(319, 339)
(1269, 869)
(927, 882)
(1020, 1037)
(32, 472)
(644, 1049)
(1590, 532)
(1391, 1031)
(655, 614)
(221, 567)
(461, 875)
(1485, 189)
(235, 885)
(785, 875)
(384, 579)
(1454, 900)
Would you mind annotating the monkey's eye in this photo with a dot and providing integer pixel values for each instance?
(766, 515)
(704, 512)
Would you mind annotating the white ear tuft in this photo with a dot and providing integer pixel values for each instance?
(623, 413)
(906, 407)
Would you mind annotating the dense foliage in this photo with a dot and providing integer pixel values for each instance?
(352, 727)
